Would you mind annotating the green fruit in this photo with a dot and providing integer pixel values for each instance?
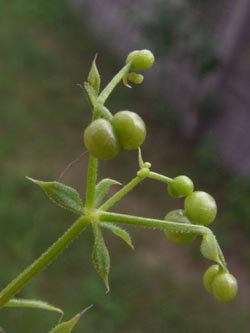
(129, 128)
(209, 276)
(200, 207)
(140, 59)
(100, 139)
(178, 237)
(180, 186)
(224, 287)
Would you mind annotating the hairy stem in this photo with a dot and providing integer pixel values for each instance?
(91, 182)
(120, 194)
(46, 258)
(221, 256)
(152, 223)
(161, 178)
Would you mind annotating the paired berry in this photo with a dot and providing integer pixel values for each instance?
(178, 237)
(209, 276)
(222, 285)
(100, 139)
(200, 208)
(130, 129)
(104, 138)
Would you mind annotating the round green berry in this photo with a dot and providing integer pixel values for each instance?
(100, 139)
(224, 287)
(209, 276)
(140, 59)
(177, 215)
(181, 186)
(130, 129)
(200, 207)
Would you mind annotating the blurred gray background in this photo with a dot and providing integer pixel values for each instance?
(195, 102)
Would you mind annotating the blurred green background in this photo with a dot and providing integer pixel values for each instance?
(46, 51)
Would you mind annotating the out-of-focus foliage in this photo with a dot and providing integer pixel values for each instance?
(157, 288)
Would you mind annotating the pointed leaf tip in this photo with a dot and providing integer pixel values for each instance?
(107, 286)
(32, 180)
(32, 303)
(67, 326)
(80, 314)
(94, 78)
(102, 189)
(100, 256)
(61, 194)
(123, 234)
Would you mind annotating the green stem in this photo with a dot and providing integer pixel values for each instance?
(112, 84)
(161, 178)
(120, 194)
(47, 257)
(222, 258)
(152, 223)
(95, 114)
(91, 182)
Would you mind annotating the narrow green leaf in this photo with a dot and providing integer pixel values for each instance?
(63, 195)
(31, 303)
(94, 78)
(102, 189)
(123, 234)
(100, 256)
(209, 248)
(91, 93)
(67, 326)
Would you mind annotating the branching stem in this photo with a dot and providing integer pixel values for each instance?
(112, 84)
(120, 194)
(91, 182)
(153, 223)
(161, 178)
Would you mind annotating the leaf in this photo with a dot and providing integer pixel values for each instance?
(100, 256)
(94, 78)
(209, 248)
(31, 303)
(67, 326)
(63, 195)
(102, 189)
(91, 93)
(123, 234)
